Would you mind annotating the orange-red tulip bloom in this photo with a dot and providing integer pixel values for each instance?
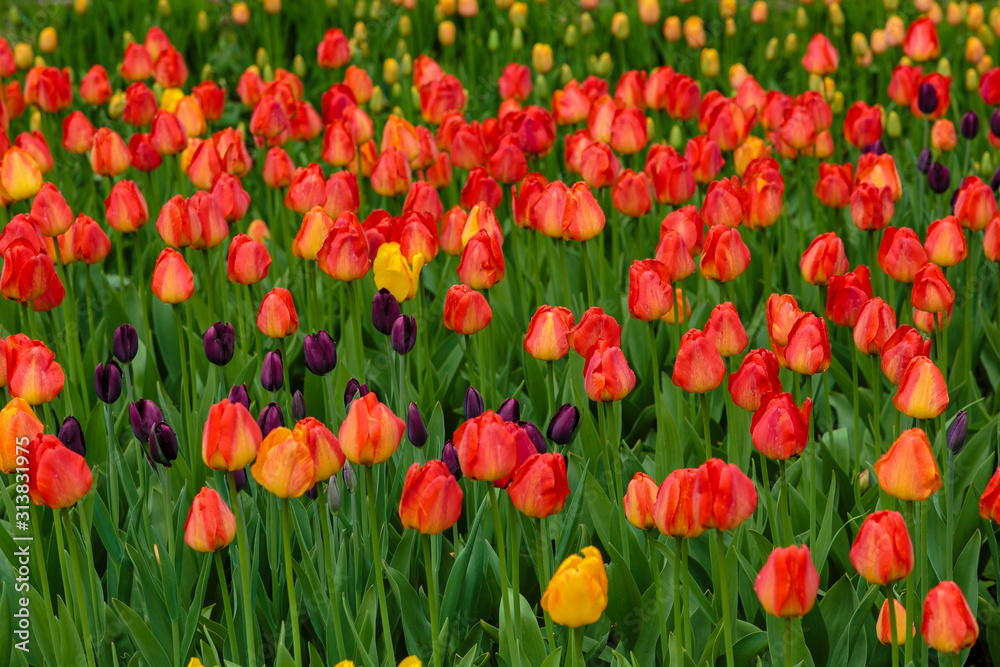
(908, 471)
(210, 525)
(466, 311)
(173, 281)
(432, 499)
(57, 476)
(276, 317)
(723, 496)
(882, 551)
(779, 428)
(756, 377)
(487, 450)
(948, 624)
(548, 335)
(371, 433)
(607, 376)
(788, 583)
(540, 487)
(673, 508)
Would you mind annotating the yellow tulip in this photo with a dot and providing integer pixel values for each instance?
(394, 273)
(577, 593)
(20, 176)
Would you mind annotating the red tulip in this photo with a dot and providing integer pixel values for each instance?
(699, 367)
(607, 376)
(723, 496)
(788, 583)
(876, 322)
(824, 259)
(756, 377)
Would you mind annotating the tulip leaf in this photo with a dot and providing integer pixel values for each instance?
(416, 627)
(151, 649)
(70, 646)
(825, 537)
(195, 611)
(853, 640)
(6, 617)
(360, 644)
(571, 515)
(284, 658)
(600, 509)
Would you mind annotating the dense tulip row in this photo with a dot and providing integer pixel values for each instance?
(432, 291)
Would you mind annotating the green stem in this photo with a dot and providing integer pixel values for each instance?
(293, 607)
(589, 273)
(244, 546)
(786, 517)
(112, 472)
(688, 630)
(949, 563)
(377, 559)
(433, 595)
(565, 272)
(654, 570)
(544, 547)
(185, 384)
(226, 605)
(705, 423)
(502, 555)
(892, 625)
(578, 646)
(911, 592)
(788, 642)
(40, 555)
(168, 509)
(359, 348)
(78, 584)
(514, 526)
(876, 405)
(724, 592)
(285, 363)
(332, 578)
(678, 602)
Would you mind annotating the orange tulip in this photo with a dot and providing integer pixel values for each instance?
(77, 133)
(931, 291)
(882, 625)
(808, 349)
(248, 261)
(316, 226)
(780, 429)
(210, 525)
(880, 171)
(788, 583)
(607, 376)
(824, 259)
(989, 502)
(109, 155)
(705, 158)
(948, 624)
(905, 84)
(908, 470)
(863, 124)
(630, 194)
(344, 254)
(173, 281)
(125, 208)
(371, 433)
(726, 256)
(687, 222)
(20, 175)
(466, 311)
(482, 263)
(57, 476)
(487, 450)
(872, 207)
(284, 465)
(670, 175)
(27, 273)
(921, 40)
(975, 204)
(726, 331)
(836, 181)
(276, 317)
(882, 551)
(539, 486)
(901, 255)
(673, 508)
(875, 323)
(90, 243)
(725, 203)
(763, 190)
(723, 496)
(847, 296)
(900, 348)
(945, 242)
(207, 216)
(821, 57)
(432, 499)
(17, 421)
(32, 371)
(922, 391)
(650, 296)
(548, 335)
(782, 313)
(231, 437)
(756, 377)
(640, 498)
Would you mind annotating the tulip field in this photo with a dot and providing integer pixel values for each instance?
(499, 332)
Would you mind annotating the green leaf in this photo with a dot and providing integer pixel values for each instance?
(152, 651)
(416, 627)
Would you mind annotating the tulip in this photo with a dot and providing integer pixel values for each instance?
(903, 345)
(404, 333)
(835, 183)
(276, 317)
(210, 525)
(872, 207)
(320, 352)
(548, 335)
(705, 158)
(219, 343)
(901, 255)
(473, 405)
(788, 583)
(726, 256)
(539, 486)
(821, 57)
(756, 377)
(670, 176)
(70, 434)
(510, 410)
(723, 496)
(272, 372)
(486, 449)
(270, 418)
(371, 433)
(385, 310)
(824, 259)
(238, 394)
(922, 391)
(18, 421)
(931, 291)
(921, 40)
(432, 499)
(284, 465)
(20, 176)
(32, 371)
(780, 429)
(847, 296)
(673, 508)
(975, 204)
(173, 281)
(143, 415)
(883, 624)
(577, 593)
(108, 381)
(882, 551)
(231, 437)
(875, 323)
(607, 376)
(50, 211)
(394, 272)
(248, 261)
(863, 124)
(808, 348)
(163, 446)
(938, 178)
(564, 424)
(945, 242)
(948, 624)
(109, 155)
(650, 296)
(466, 311)
(908, 470)
(57, 476)
(416, 430)
(880, 171)
(989, 502)
(699, 367)
(639, 501)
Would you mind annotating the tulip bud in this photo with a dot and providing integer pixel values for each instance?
(333, 499)
(404, 333)
(71, 435)
(313, 492)
(385, 311)
(510, 410)
(927, 99)
(517, 40)
(238, 394)
(924, 161)
(416, 430)
(220, 343)
(270, 418)
(142, 415)
(564, 424)
(473, 403)
(970, 125)
(162, 444)
(938, 178)
(449, 456)
(108, 381)
(350, 478)
(298, 406)
(957, 432)
(535, 435)
(894, 126)
(125, 344)
(272, 372)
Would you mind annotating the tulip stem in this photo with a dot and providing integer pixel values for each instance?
(724, 593)
(285, 363)
(565, 272)
(515, 564)
(78, 583)
(876, 404)
(580, 659)
(788, 642)
(329, 536)
(678, 602)
(502, 556)
(654, 569)
(226, 604)
(949, 563)
(432, 593)
(688, 631)
(112, 474)
(168, 510)
(786, 517)
(911, 596)
(588, 272)
(890, 598)
(185, 406)
(705, 423)
(293, 608)
(660, 433)
(546, 554)
(377, 558)
(244, 545)
(359, 348)
(857, 419)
